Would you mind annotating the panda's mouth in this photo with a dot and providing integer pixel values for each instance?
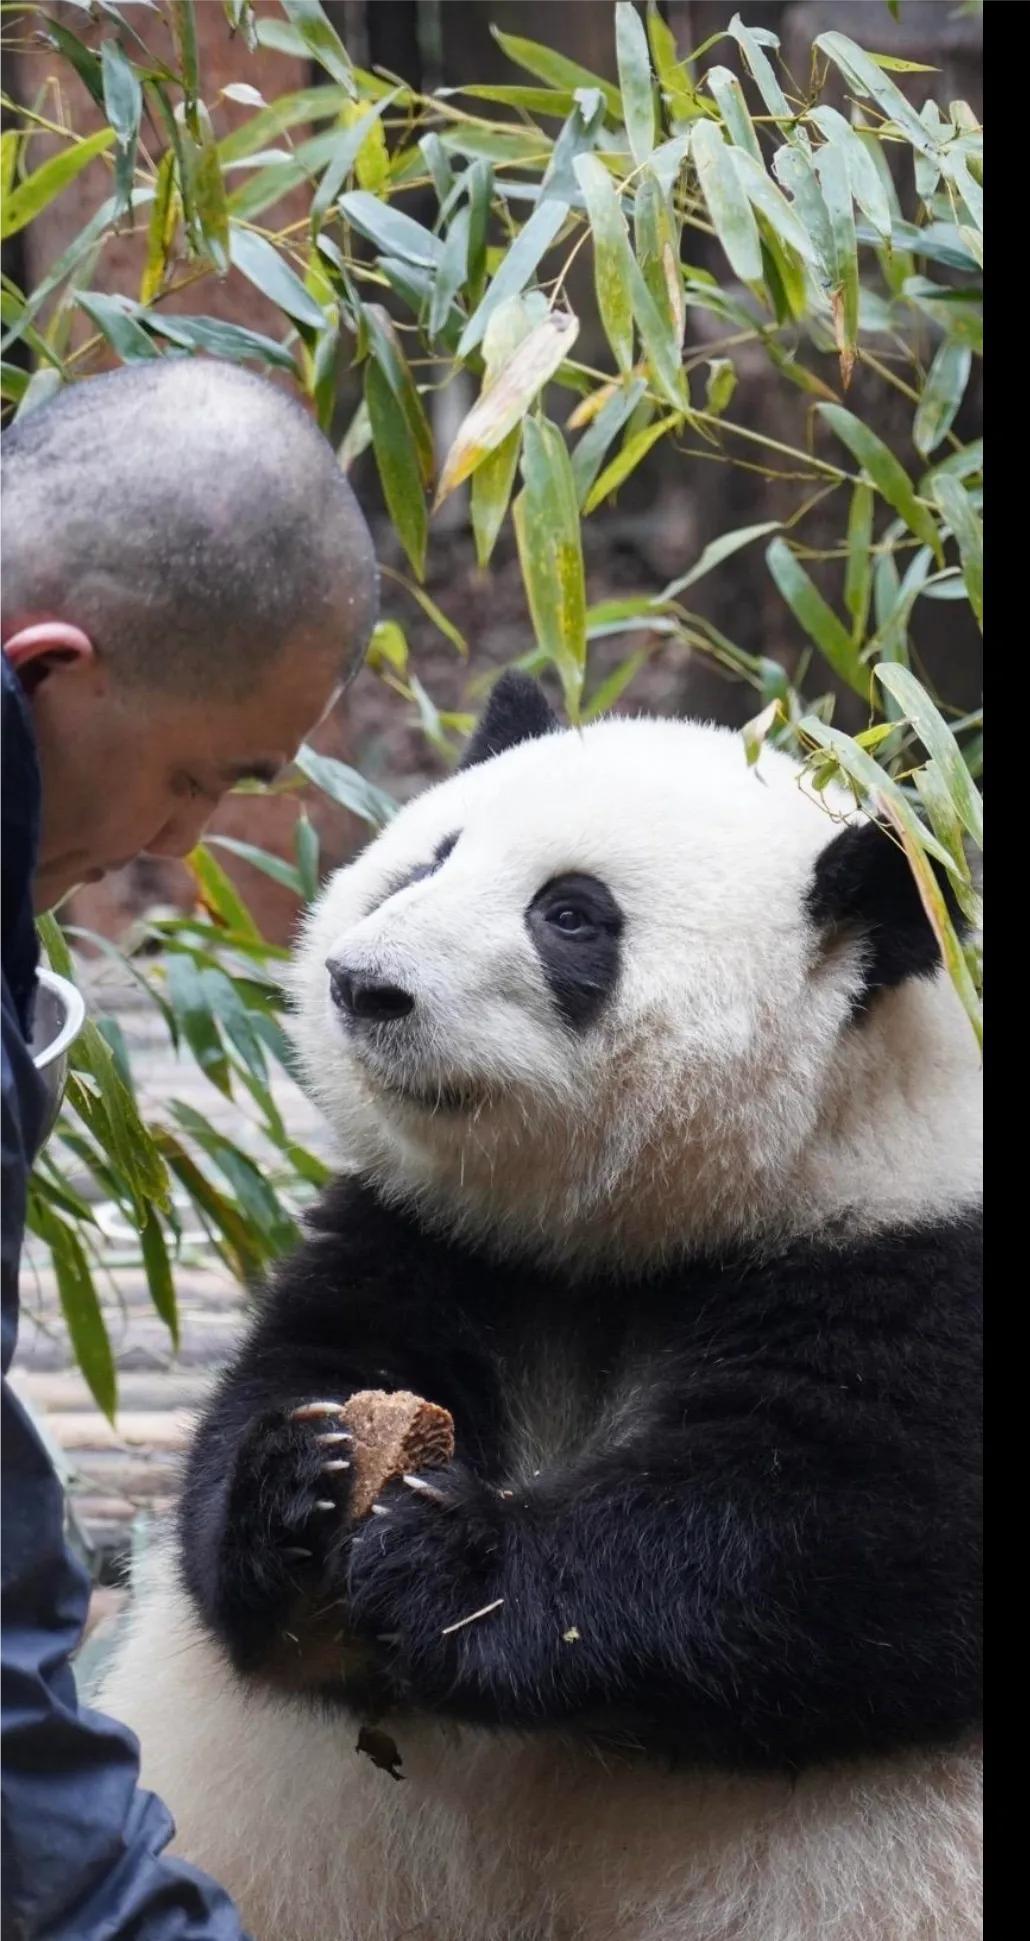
(455, 1099)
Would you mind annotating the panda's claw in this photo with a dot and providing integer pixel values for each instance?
(331, 1436)
(419, 1484)
(312, 1411)
(332, 1468)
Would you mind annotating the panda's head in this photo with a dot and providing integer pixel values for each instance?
(610, 993)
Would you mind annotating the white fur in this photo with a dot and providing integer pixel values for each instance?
(721, 1096)
(498, 1838)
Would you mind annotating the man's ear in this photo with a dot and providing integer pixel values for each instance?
(35, 651)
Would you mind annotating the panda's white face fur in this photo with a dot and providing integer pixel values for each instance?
(717, 1090)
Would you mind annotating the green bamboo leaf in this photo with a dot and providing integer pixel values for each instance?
(614, 686)
(556, 69)
(13, 381)
(40, 188)
(391, 230)
(831, 164)
(515, 269)
(729, 99)
(346, 149)
(187, 999)
(714, 554)
(184, 31)
(943, 392)
(727, 204)
(111, 1114)
(867, 186)
(274, 867)
(954, 505)
(940, 744)
(760, 69)
(658, 257)
(255, 258)
(817, 617)
(720, 385)
(858, 572)
(236, 1021)
(673, 74)
(506, 399)
(480, 189)
(885, 473)
(307, 849)
(79, 1304)
(550, 547)
(589, 453)
(578, 137)
(164, 218)
(305, 105)
(158, 1270)
(492, 483)
(627, 460)
(612, 256)
(118, 324)
(767, 200)
(81, 58)
(322, 41)
(219, 894)
(866, 77)
(220, 339)
(123, 106)
(438, 617)
(242, 1253)
(452, 272)
(634, 80)
(345, 786)
(386, 352)
(251, 1191)
(397, 462)
(795, 171)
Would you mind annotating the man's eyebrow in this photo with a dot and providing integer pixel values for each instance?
(258, 771)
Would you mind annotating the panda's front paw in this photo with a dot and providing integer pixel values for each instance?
(285, 1526)
(420, 1571)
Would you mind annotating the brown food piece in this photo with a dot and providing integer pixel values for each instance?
(392, 1434)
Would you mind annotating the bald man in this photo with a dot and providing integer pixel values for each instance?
(188, 583)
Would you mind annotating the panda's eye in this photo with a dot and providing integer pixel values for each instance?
(566, 917)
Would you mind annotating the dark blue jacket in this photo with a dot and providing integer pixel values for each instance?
(82, 1843)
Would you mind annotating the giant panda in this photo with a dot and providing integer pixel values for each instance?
(659, 1130)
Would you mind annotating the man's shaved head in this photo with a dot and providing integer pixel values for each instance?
(191, 519)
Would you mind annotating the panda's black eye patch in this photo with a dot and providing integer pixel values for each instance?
(575, 924)
(418, 875)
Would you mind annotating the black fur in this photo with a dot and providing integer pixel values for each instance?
(864, 884)
(580, 963)
(770, 1559)
(518, 710)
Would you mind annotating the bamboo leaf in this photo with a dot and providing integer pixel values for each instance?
(727, 204)
(942, 395)
(635, 83)
(123, 106)
(885, 472)
(390, 229)
(262, 265)
(589, 453)
(40, 188)
(551, 555)
(714, 554)
(954, 506)
(556, 69)
(627, 460)
(322, 41)
(858, 572)
(397, 462)
(817, 617)
(940, 744)
(516, 268)
(159, 1274)
(79, 1303)
(345, 786)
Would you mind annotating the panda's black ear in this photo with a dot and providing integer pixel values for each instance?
(863, 886)
(518, 710)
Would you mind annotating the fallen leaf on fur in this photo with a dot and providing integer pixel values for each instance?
(381, 1749)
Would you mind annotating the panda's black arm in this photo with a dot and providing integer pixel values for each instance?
(358, 1306)
(778, 1564)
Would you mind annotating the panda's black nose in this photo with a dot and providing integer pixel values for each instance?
(362, 996)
